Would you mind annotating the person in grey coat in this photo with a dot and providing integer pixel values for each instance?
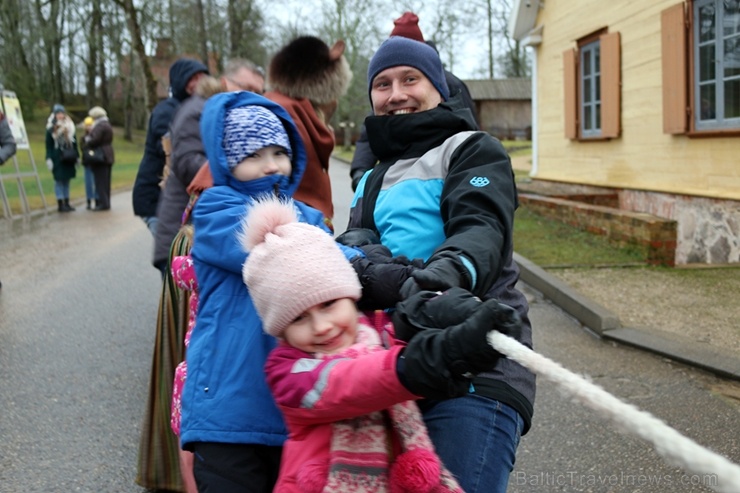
(188, 155)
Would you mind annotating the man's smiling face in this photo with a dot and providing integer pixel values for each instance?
(402, 90)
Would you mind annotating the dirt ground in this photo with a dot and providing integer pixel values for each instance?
(702, 308)
(697, 307)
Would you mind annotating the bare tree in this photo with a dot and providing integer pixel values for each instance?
(50, 28)
(514, 60)
(490, 33)
(138, 47)
(245, 30)
(16, 71)
(202, 40)
(356, 22)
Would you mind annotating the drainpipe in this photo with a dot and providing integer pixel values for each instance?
(535, 114)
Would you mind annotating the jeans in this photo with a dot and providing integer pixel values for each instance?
(476, 437)
(151, 223)
(61, 189)
(90, 193)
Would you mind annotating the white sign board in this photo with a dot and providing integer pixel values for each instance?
(12, 110)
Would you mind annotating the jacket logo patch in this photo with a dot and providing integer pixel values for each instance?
(479, 181)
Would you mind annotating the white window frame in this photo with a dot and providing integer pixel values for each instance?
(589, 80)
(715, 118)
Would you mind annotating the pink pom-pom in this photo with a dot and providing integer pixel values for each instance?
(312, 476)
(264, 217)
(416, 471)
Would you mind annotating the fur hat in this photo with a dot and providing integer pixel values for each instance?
(291, 266)
(407, 26)
(396, 51)
(248, 129)
(307, 68)
(97, 112)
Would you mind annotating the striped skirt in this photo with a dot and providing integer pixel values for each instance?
(158, 466)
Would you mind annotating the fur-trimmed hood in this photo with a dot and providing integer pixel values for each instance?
(307, 68)
(63, 133)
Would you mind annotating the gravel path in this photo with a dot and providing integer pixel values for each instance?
(699, 303)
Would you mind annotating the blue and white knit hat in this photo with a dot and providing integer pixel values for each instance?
(248, 129)
(396, 51)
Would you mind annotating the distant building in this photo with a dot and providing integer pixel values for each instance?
(504, 107)
(160, 63)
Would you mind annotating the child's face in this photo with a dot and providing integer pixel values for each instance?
(327, 328)
(270, 160)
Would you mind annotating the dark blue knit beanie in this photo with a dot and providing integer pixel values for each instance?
(396, 51)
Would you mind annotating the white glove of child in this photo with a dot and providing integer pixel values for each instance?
(50, 164)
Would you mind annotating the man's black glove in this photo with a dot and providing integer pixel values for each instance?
(381, 276)
(439, 363)
(433, 310)
(443, 270)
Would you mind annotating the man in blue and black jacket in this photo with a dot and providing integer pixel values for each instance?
(444, 192)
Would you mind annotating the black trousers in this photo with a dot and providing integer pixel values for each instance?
(235, 468)
(102, 178)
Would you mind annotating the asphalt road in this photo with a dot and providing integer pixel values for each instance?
(77, 318)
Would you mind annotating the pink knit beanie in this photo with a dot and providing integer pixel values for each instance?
(291, 266)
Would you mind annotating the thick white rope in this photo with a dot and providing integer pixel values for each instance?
(669, 443)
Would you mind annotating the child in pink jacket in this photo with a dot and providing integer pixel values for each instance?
(337, 375)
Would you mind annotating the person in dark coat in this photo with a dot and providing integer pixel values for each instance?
(101, 135)
(7, 144)
(62, 154)
(406, 26)
(184, 75)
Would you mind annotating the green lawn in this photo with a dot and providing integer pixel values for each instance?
(552, 244)
(128, 156)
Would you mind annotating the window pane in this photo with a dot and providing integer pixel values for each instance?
(708, 102)
(706, 63)
(706, 23)
(731, 18)
(731, 60)
(587, 63)
(597, 59)
(732, 99)
(597, 88)
(587, 90)
(587, 118)
(597, 122)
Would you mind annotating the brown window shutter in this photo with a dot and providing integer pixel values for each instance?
(570, 78)
(611, 89)
(674, 59)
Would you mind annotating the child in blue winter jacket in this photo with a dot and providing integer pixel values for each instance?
(229, 418)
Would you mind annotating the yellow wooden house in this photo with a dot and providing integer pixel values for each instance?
(642, 97)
